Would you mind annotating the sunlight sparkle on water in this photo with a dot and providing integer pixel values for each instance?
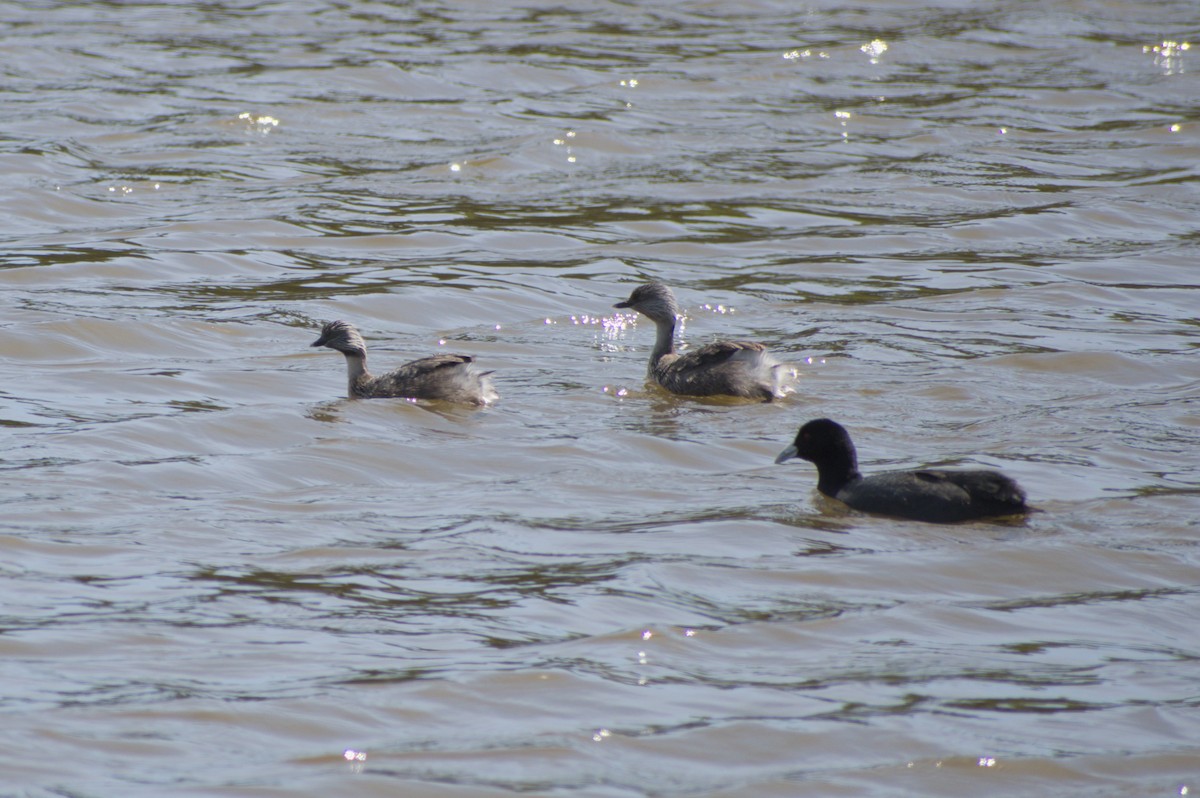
(619, 322)
(565, 141)
(797, 55)
(874, 49)
(843, 118)
(1168, 55)
(350, 755)
(601, 735)
(613, 326)
(263, 124)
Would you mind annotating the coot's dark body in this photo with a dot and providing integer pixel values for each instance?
(935, 495)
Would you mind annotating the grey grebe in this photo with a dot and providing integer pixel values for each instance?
(449, 378)
(723, 368)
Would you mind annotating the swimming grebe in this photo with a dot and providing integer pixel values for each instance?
(449, 378)
(723, 368)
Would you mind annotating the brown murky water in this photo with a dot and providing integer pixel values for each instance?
(972, 225)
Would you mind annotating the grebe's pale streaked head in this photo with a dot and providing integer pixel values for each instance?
(934, 495)
(655, 301)
(343, 337)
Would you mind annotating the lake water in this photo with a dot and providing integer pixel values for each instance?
(971, 225)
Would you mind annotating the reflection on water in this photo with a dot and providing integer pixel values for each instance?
(971, 228)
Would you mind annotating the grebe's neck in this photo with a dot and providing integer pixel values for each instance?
(664, 343)
(356, 369)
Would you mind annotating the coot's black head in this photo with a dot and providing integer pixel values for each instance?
(342, 336)
(820, 441)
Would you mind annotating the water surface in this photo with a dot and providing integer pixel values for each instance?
(971, 225)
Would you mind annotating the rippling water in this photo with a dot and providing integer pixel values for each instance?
(972, 225)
